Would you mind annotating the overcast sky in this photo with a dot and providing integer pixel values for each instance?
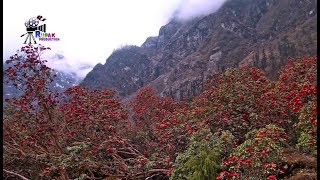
(89, 30)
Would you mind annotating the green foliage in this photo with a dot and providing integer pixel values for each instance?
(82, 134)
(306, 128)
(303, 141)
(258, 155)
(201, 160)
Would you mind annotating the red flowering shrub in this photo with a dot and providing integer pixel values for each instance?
(237, 101)
(148, 109)
(94, 118)
(297, 86)
(157, 125)
(93, 114)
(258, 156)
(49, 135)
(171, 134)
(84, 133)
(29, 127)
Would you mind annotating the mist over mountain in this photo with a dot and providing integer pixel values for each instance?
(67, 76)
(188, 9)
(262, 33)
(61, 82)
(59, 62)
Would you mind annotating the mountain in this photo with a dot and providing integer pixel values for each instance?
(57, 61)
(262, 33)
(67, 74)
(61, 82)
(64, 80)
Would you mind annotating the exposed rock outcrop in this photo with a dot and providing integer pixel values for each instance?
(241, 33)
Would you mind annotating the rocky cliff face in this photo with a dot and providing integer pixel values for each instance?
(241, 33)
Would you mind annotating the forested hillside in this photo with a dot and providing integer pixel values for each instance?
(243, 126)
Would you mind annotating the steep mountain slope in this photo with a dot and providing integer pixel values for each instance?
(241, 33)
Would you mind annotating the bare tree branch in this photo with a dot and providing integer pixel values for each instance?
(15, 174)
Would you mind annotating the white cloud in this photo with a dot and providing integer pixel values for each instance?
(89, 30)
(193, 8)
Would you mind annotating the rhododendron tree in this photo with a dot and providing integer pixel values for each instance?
(174, 130)
(258, 157)
(153, 118)
(29, 125)
(297, 86)
(239, 126)
(70, 135)
(236, 100)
